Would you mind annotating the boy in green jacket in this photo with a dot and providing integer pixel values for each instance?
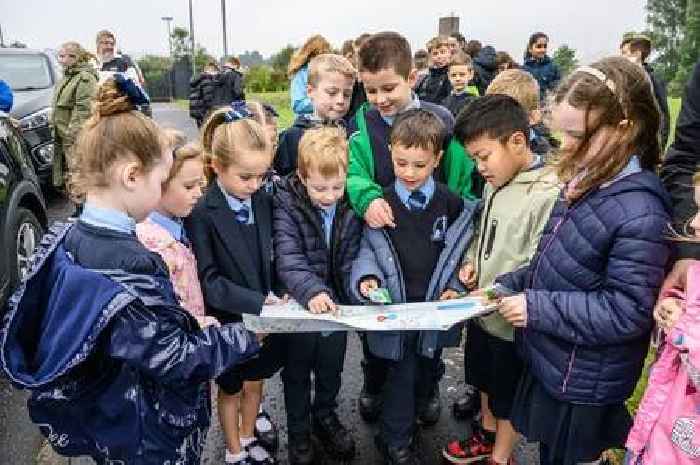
(518, 199)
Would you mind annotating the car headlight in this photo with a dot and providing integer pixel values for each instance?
(38, 119)
(45, 153)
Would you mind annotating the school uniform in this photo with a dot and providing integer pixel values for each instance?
(232, 240)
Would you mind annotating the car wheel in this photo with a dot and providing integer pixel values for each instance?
(25, 236)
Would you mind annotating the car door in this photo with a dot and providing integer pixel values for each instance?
(7, 180)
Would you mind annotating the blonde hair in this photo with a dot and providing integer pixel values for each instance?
(437, 42)
(518, 84)
(324, 150)
(82, 55)
(114, 131)
(104, 33)
(460, 58)
(314, 46)
(329, 63)
(181, 155)
(222, 140)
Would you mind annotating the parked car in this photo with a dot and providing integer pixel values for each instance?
(22, 223)
(32, 75)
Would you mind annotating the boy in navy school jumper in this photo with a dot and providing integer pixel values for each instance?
(330, 89)
(231, 233)
(436, 86)
(414, 261)
(317, 235)
(385, 66)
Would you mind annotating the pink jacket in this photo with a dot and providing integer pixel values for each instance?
(665, 425)
(180, 261)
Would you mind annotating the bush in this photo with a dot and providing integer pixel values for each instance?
(262, 78)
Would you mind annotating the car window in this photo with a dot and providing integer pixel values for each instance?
(25, 71)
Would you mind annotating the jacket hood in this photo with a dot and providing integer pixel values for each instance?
(79, 68)
(304, 122)
(40, 340)
(487, 58)
(292, 186)
(539, 177)
(643, 181)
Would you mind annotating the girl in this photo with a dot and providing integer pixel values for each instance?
(71, 104)
(663, 431)
(298, 72)
(584, 303)
(537, 63)
(231, 231)
(117, 369)
(163, 233)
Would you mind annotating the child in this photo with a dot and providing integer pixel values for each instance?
(117, 369)
(582, 308)
(317, 236)
(298, 72)
(436, 86)
(420, 65)
(461, 72)
(537, 62)
(203, 93)
(517, 202)
(385, 68)
(523, 87)
(231, 232)
(663, 430)
(330, 86)
(414, 260)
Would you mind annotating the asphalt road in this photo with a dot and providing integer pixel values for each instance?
(432, 439)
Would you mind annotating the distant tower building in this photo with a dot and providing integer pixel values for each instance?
(448, 25)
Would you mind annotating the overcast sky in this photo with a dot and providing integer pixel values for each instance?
(592, 27)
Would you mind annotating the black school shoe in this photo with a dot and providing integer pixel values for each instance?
(336, 438)
(300, 450)
(408, 455)
(267, 437)
(468, 406)
(369, 405)
(429, 412)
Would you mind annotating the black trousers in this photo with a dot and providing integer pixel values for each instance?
(325, 357)
(264, 365)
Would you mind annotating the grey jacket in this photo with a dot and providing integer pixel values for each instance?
(378, 258)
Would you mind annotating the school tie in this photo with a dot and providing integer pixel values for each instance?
(416, 201)
(243, 214)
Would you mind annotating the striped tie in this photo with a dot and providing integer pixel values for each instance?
(243, 214)
(416, 201)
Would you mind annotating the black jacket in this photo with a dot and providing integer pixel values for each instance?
(485, 68)
(681, 163)
(224, 261)
(305, 264)
(230, 87)
(455, 103)
(203, 94)
(288, 148)
(659, 87)
(435, 87)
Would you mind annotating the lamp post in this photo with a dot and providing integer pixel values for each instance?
(194, 69)
(223, 24)
(168, 19)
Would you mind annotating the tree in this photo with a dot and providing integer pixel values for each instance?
(666, 21)
(250, 59)
(279, 62)
(689, 49)
(565, 58)
(179, 38)
(154, 67)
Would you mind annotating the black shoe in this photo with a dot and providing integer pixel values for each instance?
(268, 438)
(300, 449)
(370, 406)
(429, 412)
(335, 437)
(402, 456)
(469, 406)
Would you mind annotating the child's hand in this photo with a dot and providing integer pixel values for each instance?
(367, 285)
(514, 310)
(205, 321)
(667, 312)
(467, 275)
(322, 303)
(261, 337)
(449, 294)
(379, 214)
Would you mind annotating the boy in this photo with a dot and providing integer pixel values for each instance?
(436, 87)
(316, 236)
(517, 202)
(461, 72)
(330, 88)
(413, 260)
(524, 89)
(385, 71)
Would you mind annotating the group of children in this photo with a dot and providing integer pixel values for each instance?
(575, 257)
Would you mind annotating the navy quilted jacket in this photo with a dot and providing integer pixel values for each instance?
(591, 288)
(545, 71)
(305, 264)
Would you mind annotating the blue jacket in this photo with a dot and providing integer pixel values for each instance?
(6, 98)
(305, 265)
(591, 289)
(301, 103)
(378, 258)
(545, 71)
(116, 368)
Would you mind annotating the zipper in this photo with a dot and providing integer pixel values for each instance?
(569, 369)
(491, 239)
(482, 232)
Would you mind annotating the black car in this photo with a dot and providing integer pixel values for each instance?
(32, 75)
(23, 216)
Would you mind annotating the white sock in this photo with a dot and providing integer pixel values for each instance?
(233, 458)
(246, 441)
(263, 424)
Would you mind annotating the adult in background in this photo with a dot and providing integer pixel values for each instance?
(230, 83)
(110, 62)
(540, 65)
(71, 104)
(6, 98)
(637, 48)
(203, 93)
(298, 72)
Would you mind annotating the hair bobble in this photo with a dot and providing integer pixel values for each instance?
(239, 110)
(131, 90)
